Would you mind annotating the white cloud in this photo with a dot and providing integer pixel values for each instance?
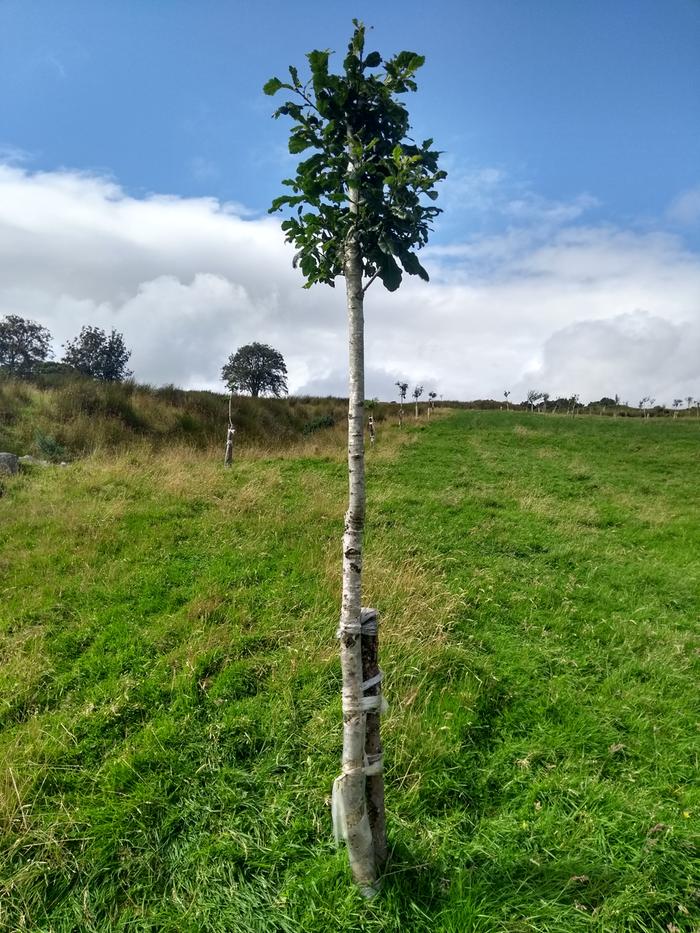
(14, 155)
(188, 280)
(685, 209)
(491, 193)
(633, 354)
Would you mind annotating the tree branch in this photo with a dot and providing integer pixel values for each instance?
(364, 289)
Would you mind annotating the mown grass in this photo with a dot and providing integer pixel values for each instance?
(169, 689)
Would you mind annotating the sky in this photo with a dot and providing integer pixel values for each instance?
(138, 158)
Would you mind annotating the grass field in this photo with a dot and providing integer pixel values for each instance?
(169, 686)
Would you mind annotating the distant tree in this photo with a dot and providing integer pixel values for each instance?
(23, 345)
(403, 389)
(645, 404)
(677, 402)
(98, 354)
(432, 396)
(505, 395)
(545, 400)
(417, 392)
(573, 404)
(689, 400)
(533, 397)
(256, 368)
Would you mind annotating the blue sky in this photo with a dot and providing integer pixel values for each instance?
(554, 115)
(600, 97)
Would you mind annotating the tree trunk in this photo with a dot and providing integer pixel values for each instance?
(349, 790)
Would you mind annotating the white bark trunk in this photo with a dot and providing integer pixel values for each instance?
(356, 830)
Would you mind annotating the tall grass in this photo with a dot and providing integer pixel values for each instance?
(84, 416)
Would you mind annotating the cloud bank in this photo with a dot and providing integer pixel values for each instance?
(550, 303)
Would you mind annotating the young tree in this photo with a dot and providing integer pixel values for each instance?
(256, 368)
(403, 389)
(677, 402)
(417, 392)
(505, 395)
(533, 397)
(23, 345)
(645, 404)
(97, 354)
(358, 212)
(432, 396)
(689, 400)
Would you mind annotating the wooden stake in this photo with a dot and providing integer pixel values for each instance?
(374, 783)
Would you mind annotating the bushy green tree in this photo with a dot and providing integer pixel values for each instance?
(24, 345)
(256, 368)
(98, 354)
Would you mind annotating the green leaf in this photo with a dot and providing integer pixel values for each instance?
(298, 143)
(410, 61)
(389, 273)
(410, 263)
(318, 62)
(272, 86)
(373, 59)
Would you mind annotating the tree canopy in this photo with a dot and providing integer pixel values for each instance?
(97, 354)
(23, 345)
(256, 368)
(360, 133)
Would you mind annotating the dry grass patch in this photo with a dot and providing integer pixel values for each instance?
(522, 431)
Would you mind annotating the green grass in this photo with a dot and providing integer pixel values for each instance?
(169, 689)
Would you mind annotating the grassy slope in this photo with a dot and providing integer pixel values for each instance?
(169, 694)
(81, 416)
